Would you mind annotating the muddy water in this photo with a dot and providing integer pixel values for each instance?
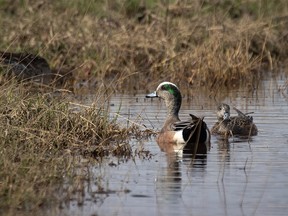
(238, 177)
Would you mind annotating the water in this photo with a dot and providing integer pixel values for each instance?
(238, 177)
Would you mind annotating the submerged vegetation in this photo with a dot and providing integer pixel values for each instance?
(133, 44)
(211, 43)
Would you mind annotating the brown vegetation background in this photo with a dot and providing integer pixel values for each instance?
(137, 44)
(46, 147)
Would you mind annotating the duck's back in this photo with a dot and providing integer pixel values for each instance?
(242, 126)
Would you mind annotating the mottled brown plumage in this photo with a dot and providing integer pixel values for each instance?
(241, 125)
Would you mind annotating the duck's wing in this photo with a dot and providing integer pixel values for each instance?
(240, 114)
(243, 116)
(190, 123)
(195, 134)
(194, 129)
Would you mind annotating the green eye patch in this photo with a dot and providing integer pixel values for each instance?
(169, 88)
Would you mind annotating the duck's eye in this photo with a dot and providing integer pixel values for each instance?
(169, 88)
(164, 87)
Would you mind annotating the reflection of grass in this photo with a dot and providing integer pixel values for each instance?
(40, 137)
(211, 43)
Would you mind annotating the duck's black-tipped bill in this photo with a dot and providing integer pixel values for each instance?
(226, 116)
(151, 95)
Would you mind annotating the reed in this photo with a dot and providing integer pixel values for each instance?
(125, 45)
(42, 140)
(140, 43)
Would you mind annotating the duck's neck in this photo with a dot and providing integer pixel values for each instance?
(173, 107)
(220, 118)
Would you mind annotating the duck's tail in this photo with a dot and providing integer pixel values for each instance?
(197, 136)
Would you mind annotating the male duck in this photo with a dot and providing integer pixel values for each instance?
(241, 125)
(192, 136)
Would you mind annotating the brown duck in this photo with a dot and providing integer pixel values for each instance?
(241, 125)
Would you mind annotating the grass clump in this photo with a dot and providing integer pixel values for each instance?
(201, 43)
(41, 140)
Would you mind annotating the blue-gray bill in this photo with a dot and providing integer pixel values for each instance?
(151, 95)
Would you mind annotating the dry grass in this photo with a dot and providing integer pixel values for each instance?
(41, 139)
(222, 43)
(132, 44)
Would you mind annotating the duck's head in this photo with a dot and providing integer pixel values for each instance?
(166, 90)
(223, 111)
(170, 93)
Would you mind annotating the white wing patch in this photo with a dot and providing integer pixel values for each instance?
(178, 139)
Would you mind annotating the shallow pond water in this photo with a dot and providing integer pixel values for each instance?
(238, 177)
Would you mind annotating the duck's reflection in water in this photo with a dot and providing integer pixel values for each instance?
(176, 176)
(226, 146)
(223, 147)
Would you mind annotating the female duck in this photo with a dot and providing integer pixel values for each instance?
(241, 125)
(192, 136)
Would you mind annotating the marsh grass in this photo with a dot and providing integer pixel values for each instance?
(205, 43)
(41, 139)
(121, 45)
